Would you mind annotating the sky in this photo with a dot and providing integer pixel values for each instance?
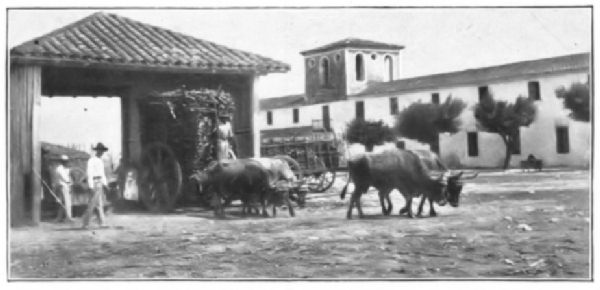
(82, 121)
(436, 40)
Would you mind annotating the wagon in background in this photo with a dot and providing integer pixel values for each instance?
(80, 193)
(315, 149)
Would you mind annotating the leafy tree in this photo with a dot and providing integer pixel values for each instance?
(577, 100)
(369, 133)
(425, 121)
(505, 119)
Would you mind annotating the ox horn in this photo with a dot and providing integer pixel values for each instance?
(457, 175)
(470, 177)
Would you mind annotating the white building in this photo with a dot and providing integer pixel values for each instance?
(358, 78)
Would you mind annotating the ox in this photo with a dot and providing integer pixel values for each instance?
(432, 162)
(243, 179)
(389, 170)
(280, 168)
(281, 179)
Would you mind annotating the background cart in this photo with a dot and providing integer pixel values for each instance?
(316, 154)
(80, 194)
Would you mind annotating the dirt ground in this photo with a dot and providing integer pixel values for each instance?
(508, 225)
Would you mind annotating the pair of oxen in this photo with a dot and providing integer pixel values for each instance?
(253, 181)
(413, 173)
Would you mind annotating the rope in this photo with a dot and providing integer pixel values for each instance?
(51, 192)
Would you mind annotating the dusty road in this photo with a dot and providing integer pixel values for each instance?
(509, 225)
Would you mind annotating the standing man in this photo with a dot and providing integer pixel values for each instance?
(63, 186)
(98, 184)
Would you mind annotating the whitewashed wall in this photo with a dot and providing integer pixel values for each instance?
(538, 139)
(374, 68)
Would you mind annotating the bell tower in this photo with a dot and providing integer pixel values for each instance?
(346, 67)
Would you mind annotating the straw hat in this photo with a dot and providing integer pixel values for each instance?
(100, 147)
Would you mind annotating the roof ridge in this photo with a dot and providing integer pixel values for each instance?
(350, 42)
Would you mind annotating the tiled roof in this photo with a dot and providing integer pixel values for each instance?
(353, 43)
(483, 76)
(109, 39)
(282, 102)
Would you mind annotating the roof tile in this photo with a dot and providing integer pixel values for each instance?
(353, 43)
(482, 76)
(108, 38)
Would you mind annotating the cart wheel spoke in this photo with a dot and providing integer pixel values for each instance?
(161, 177)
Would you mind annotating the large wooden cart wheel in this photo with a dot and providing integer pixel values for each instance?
(323, 179)
(160, 177)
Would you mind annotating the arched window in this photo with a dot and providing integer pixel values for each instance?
(388, 72)
(324, 72)
(360, 68)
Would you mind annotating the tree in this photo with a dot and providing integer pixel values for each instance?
(577, 100)
(425, 121)
(505, 119)
(369, 133)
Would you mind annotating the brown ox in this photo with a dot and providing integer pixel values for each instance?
(243, 179)
(432, 162)
(389, 170)
(281, 179)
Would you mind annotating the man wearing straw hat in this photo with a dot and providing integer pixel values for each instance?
(63, 186)
(97, 182)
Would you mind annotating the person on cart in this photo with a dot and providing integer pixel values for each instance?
(63, 188)
(98, 184)
(225, 139)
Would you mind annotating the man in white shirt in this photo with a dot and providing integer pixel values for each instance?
(95, 166)
(97, 182)
(63, 185)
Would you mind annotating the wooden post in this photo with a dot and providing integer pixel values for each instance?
(124, 128)
(25, 147)
(134, 142)
(16, 111)
(36, 154)
(253, 80)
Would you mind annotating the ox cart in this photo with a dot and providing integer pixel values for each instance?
(316, 155)
(179, 138)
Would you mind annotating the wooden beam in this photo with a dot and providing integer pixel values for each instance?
(255, 101)
(25, 151)
(133, 130)
(17, 182)
(36, 149)
(170, 68)
(124, 129)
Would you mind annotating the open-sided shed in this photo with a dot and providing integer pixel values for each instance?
(109, 55)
